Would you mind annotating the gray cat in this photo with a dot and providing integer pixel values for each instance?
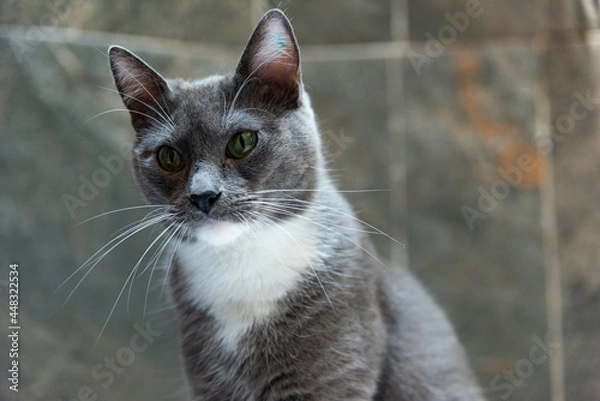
(278, 292)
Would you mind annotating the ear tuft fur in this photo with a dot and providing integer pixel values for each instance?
(142, 89)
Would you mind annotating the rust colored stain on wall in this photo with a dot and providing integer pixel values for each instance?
(514, 148)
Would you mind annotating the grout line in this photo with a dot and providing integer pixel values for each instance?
(395, 49)
(358, 51)
(32, 34)
(399, 23)
(549, 224)
(394, 78)
(553, 286)
(355, 51)
(397, 175)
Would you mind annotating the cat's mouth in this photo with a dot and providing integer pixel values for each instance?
(212, 229)
(227, 221)
(220, 232)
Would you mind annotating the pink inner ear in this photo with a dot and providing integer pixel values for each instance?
(276, 59)
(139, 85)
(136, 83)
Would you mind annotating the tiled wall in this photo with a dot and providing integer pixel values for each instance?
(476, 121)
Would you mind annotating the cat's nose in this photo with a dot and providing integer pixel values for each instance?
(205, 200)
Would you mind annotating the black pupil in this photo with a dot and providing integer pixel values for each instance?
(169, 158)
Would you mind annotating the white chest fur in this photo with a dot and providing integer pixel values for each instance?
(238, 272)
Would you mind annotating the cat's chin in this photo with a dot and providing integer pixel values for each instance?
(219, 232)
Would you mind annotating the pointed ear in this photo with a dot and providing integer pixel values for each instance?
(142, 89)
(272, 55)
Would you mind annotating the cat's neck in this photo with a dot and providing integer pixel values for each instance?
(240, 282)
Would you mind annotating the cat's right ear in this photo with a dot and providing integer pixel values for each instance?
(272, 56)
(142, 89)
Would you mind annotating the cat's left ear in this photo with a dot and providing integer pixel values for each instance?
(142, 89)
(272, 56)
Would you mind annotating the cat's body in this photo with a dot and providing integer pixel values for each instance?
(357, 331)
(279, 293)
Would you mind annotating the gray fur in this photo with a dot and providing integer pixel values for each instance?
(354, 331)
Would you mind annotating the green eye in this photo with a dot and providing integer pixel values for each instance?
(170, 159)
(241, 144)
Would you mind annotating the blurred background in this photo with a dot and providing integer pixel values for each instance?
(477, 120)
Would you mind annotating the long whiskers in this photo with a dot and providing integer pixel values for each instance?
(183, 234)
(339, 212)
(154, 261)
(125, 209)
(292, 209)
(351, 191)
(129, 277)
(139, 262)
(168, 120)
(157, 215)
(277, 208)
(162, 112)
(169, 127)
(93, 260)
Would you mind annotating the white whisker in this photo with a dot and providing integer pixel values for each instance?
(341, 213)
(298, 208)
(266, 191)
(162, 124)
(162, 113)
(175, 248)
(156, 258)
(93, 260)
(121, 210)
(139, 262)
(168, 120)
(300, 215)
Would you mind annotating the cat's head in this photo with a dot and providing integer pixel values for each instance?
(227, 150)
